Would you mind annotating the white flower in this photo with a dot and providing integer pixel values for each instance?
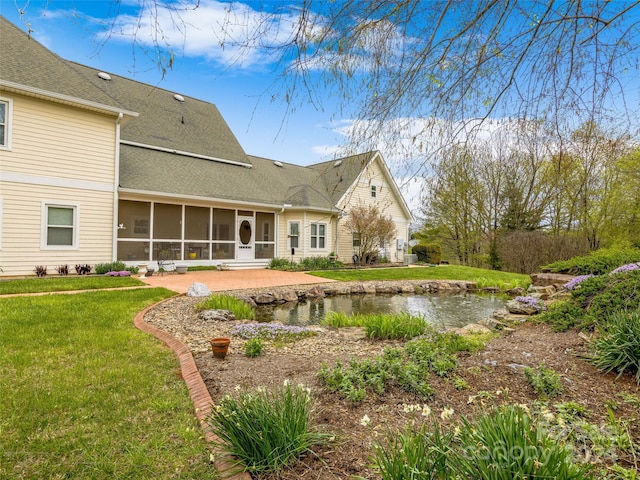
(446, 413)
(426, 411)
(286, 382)
(365, 421)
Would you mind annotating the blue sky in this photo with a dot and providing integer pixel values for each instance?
(241, 88)
(73, 30)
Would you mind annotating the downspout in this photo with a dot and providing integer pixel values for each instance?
(116, 183)
(277, 238)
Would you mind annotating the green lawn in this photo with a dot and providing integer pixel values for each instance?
(86, 395)
(482, 277)
(62, 284)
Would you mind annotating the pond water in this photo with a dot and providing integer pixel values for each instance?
(444, 310)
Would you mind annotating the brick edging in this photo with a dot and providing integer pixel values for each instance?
(195, 384)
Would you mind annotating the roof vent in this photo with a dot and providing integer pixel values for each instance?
(277, 164)
(178, 97)
(104, 76)
(338, 163)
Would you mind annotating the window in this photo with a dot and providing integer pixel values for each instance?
(318, 235)
(374, 191)
(294, 234)
(356, 239)
(60, 226)
(5, 125)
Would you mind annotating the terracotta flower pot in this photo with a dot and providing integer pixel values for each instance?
(220, 347)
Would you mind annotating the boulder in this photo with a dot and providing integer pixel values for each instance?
(198, 290)
(520, 308)
(544, 279)
(315, 292)
(264, 298)
(472, 328)
(217, 316)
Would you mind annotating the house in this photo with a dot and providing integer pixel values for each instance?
(95, 167)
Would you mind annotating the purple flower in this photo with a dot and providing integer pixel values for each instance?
(531, 302)
(626, 268)
(270, 331)
(574, 282)
(123, 273)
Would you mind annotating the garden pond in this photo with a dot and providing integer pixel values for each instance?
(444, 310)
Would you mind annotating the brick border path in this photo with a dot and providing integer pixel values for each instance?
(197, 389)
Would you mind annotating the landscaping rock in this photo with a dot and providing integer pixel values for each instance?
(543, 279)
(198, 289)
(217, 316)
(519, 308)
(472, 328)
(264, 298)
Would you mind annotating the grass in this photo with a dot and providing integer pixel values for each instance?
(87, 395)
(482, 278)
(222, 301)
(64, 284)
(380, 325)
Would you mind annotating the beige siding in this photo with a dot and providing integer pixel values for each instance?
(22, 221)
(58, 154)
(388, 201)
(304, 250)
(51, 140)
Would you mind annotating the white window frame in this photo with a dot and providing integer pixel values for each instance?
(373, 191)
(8, 120)
(1, 217)
(355, 239)
(316, 237)
(290, 235)
(45, 224)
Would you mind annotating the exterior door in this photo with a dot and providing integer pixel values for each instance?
(246, 238)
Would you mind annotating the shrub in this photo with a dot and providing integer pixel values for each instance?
(428, 253)
(263, 432)
(545, 382)
(599, 262)
(83, 269)
(617, 349)
(62, 270)
(102, 268)
(254, 347)
(223, 301)
(41, 270)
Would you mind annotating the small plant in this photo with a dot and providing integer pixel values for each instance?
(62, 270)
(262, 432)
(617, 349)
(532, 302)
(545, 381)
(223, 301)
(254, 347)
(41, 270)
(460, 383)
(381, 325)
(83, 269)
(102, 268)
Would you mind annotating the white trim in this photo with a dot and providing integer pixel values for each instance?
(186, 154)
(8, 123)
(116, 180)
(152, 196)
(37, 92)
(44, 223)
(317, 248)
(55, 182)
(289, 222)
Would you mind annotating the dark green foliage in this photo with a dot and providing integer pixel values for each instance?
(306, 264)
(102, 268)
(617, 349)
(594, 300)
(599, 262)
(428, 253)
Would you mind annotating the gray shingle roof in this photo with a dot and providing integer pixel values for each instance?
(192, 126)
(24, 61)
